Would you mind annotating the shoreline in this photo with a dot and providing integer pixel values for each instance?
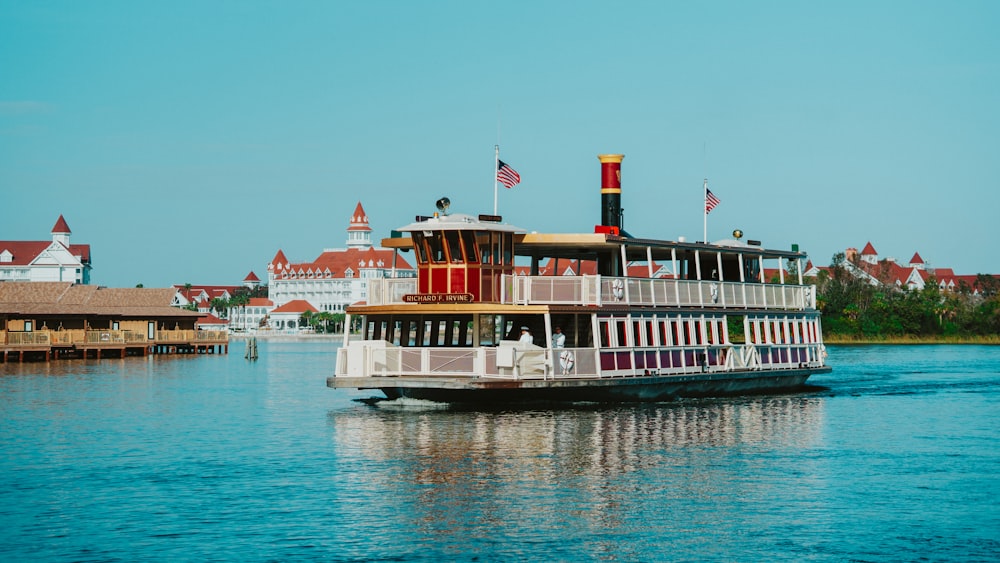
(848, 340)
(270, 336)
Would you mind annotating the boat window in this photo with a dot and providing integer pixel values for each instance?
(508, 249)
(470, 246)
(605, 328)
(637, 339)
(488, 333)
(752, 272)
(420, 246)
(454, 246)
(621, 332)
(435, 246)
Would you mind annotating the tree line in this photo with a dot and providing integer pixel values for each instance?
(853, 307)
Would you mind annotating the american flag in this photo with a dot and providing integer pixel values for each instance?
(710, 201)
(507, 175)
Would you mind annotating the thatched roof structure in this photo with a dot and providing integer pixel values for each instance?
(67, 298)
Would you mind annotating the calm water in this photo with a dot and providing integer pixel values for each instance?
(218, 458)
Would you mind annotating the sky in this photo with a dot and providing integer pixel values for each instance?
(187, 142)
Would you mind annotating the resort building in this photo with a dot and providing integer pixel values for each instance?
(252, 316)
(337, 277)
(53, 260)
(914, 274)
(288, 317)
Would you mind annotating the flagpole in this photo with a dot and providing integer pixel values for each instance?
(496, 173)
(705, 209)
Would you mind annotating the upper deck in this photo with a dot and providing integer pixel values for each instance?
(625, 271)
(601, 291)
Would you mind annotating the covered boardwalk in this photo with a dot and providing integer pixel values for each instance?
(57, 320)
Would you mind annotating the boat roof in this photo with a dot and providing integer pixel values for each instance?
(575, 245)
(458, 222)
(581, 245)
(590, 245)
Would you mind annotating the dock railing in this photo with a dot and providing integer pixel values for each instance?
(72, 337)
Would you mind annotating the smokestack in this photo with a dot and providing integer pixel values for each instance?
(611, 189)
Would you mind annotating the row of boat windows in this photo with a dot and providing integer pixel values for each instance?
(461, 331)
(665, 331)
(646, 332)
(784, 330)
(613, 332)
(441, 247)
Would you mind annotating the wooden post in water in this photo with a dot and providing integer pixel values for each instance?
(251, 352)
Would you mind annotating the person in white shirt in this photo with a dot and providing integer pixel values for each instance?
(526, 337)
(559, 339)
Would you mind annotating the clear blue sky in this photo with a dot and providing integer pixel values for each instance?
(189, 141)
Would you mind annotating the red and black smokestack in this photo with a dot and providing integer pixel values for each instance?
(611, 190)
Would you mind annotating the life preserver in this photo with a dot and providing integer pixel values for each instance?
(618, 289)
(566, 361)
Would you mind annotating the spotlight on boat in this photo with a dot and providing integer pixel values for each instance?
(737, 234)
(443, 204)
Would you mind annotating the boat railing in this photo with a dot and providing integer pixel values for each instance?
(388, 291)
(662, 292)
(604, 290)
(378, 358)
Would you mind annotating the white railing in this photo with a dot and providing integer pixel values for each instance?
(378, 358)
(604, 290)
(387, 291)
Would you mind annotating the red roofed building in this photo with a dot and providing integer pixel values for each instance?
(54, 261)
(211, 322)
(337, 277)
(202, 294)
(288, 317)
(252, 316)
(886, 271)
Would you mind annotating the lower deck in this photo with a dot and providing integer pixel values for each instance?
(640, 388)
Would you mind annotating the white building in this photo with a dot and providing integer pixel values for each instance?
(338, 277)
(251, 317)
(54, 261)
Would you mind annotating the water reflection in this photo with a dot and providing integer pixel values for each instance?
(585, 471)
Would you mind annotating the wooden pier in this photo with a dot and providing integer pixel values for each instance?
(43, 321)
(46, 345)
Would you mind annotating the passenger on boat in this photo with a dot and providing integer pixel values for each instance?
(526, 337)
(559, 339)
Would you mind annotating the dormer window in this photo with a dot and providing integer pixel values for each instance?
(6, 256)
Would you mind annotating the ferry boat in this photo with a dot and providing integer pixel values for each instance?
(474, 327)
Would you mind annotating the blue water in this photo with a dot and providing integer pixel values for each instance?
(896, 458)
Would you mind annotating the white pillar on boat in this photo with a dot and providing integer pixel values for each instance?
(697, 269)
(624, 261)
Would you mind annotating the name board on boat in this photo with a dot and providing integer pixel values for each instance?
(437, 298)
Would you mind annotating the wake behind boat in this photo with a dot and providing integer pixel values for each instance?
(597, 317)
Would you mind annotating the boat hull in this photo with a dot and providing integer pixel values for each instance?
(646, 388)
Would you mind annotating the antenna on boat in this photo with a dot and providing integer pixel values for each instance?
(496, 169)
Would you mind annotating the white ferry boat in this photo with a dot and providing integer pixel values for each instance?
(470, 329)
